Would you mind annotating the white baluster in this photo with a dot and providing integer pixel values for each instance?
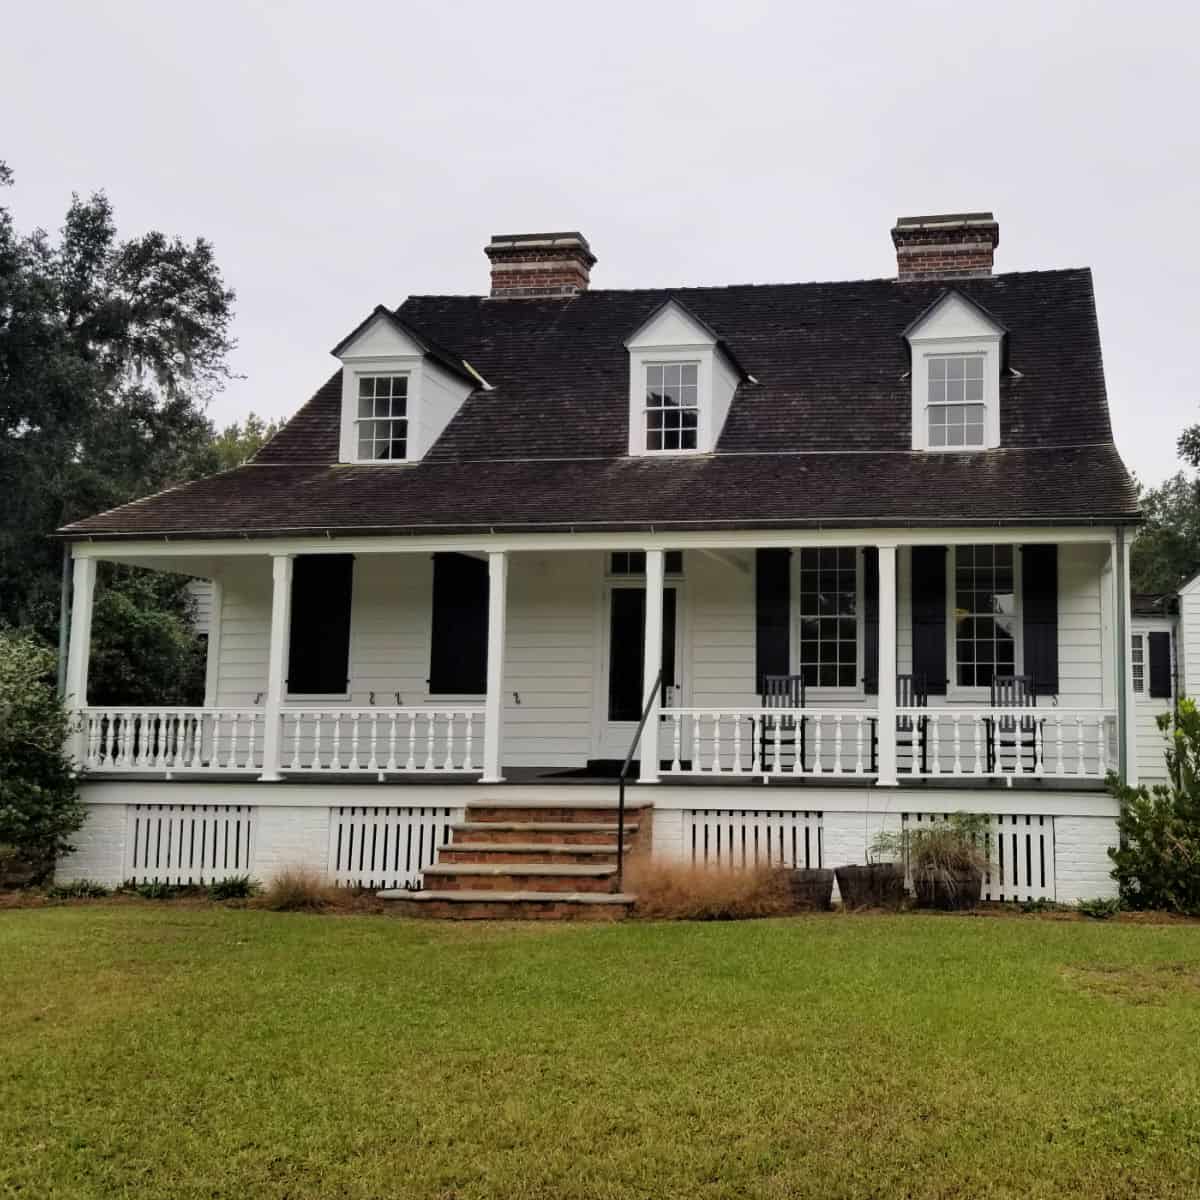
(124, 740)
(1039, 747)
(336, 718)
(354, 718)
(837, 743)
(411, 763)
(776, 766)
(818, 726)
(235, 726)
(957, 747)
(1079, 770)
(469, 734)
(429, 741)
(737, 745)
(935, 746)
(858, 743)
(1102, 744)
(977, 726)
(449, 764)
(391, 757)
(93, 721)
(676, 739)
(1060, 765)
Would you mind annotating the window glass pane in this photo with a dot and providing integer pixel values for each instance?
(937, 368)
(954, 368)
(828, 644)
(985, 614)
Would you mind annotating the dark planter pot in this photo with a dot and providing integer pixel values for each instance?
(957, 892)
(877, 885)
(812, 889)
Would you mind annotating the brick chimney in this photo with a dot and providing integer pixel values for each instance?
(533, 265)
(955, 245)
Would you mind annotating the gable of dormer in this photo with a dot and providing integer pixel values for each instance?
(399, 391)
(682, 379)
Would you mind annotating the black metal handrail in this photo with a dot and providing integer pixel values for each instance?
(637, 737)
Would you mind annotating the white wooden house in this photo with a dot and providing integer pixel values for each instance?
(873, 537)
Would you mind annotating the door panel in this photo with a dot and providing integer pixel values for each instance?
(626, 637)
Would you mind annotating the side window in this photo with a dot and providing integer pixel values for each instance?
(1137, 651)
(319, 648)
(458, 644)
(828, 646)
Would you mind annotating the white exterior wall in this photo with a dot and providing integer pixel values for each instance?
(287, 836)
(245, 632)
(1083, 868)
(1080, 626)
(99, 847)
(1151, 744)
(1189, 639)
(720, 598)
(201, 592)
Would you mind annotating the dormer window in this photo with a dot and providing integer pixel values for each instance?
(382, 417)
(672, 406)
(956, 410)
(956, 352)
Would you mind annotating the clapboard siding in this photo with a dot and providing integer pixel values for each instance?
(1151, 746)
(720, 598)
(1189, 637)
(245, 632)
(1080, 629)
(550, 659)
(390, 628)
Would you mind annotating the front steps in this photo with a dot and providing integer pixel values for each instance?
(548, 860)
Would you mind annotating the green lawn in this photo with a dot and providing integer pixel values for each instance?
(174, 1052)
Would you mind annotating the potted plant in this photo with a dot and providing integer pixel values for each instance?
(947, 860)
(811, 888)
(880, 882)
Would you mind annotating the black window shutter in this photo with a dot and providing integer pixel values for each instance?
(772, 613)
(1039, 616)
(1160, 665)
(929, 616)
(871, 620)
(319, 646)
(458, 650)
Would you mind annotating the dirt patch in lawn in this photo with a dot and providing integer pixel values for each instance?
(1136, 983)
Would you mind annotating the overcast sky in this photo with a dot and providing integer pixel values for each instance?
(340, 156)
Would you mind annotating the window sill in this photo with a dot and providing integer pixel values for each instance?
(315, 697)
(444, 698)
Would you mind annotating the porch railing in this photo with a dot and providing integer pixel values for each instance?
(994, 742)
(215, 741)
(212, 740)
(422, 740)
(791, 742)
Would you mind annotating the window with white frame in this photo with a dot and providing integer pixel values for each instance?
(955, 406)
(1137, 651)
(828, 643)
(633, 562)
(985, 614)
(672, 406)
(382, 423)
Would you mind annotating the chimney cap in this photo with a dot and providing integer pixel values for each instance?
(564, 240)
(946, 223)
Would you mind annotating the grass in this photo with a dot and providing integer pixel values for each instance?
(151, 1050)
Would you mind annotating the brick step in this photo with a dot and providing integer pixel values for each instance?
(509, 906)
(515, 877)
(551, 832)
(527, 852)
(559, 812)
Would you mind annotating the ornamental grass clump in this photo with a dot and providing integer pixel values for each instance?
(684, 891)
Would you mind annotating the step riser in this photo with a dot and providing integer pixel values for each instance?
(520, 883)
(588, 816)
(501, 910)
(498, 855)
(500, 837)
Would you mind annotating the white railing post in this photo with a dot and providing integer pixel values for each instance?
(1126, 724)
(493, 720)
(652, 664)
(83, 588)
(887, 667)
(277, 662)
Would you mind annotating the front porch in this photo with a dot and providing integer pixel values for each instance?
(531, 665)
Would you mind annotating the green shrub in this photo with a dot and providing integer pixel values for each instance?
(1042, 905)
(78, 889)
(1157, 865)
(39, 794)
(1100, 909)
(236, 887)
(154, 889)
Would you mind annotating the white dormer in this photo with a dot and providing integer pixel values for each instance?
(956, 360)
(398, 393)
(681, 384)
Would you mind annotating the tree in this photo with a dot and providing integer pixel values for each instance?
(1166, 552)
(109, 351)
(237, 444)
(39, 797)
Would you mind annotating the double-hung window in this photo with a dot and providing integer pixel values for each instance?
(672, 406)
(985, 614)
(955, 409)
(828, 645)
(1137, 651)
(382, 422)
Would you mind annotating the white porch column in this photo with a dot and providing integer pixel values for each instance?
(212, 662)
(652, 664)
(493, 720)
(887, 667)
(83, 588)
(1126, 724)
(277, 662)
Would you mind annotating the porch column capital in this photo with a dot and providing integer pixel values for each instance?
(493, 717)
(887, 666)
